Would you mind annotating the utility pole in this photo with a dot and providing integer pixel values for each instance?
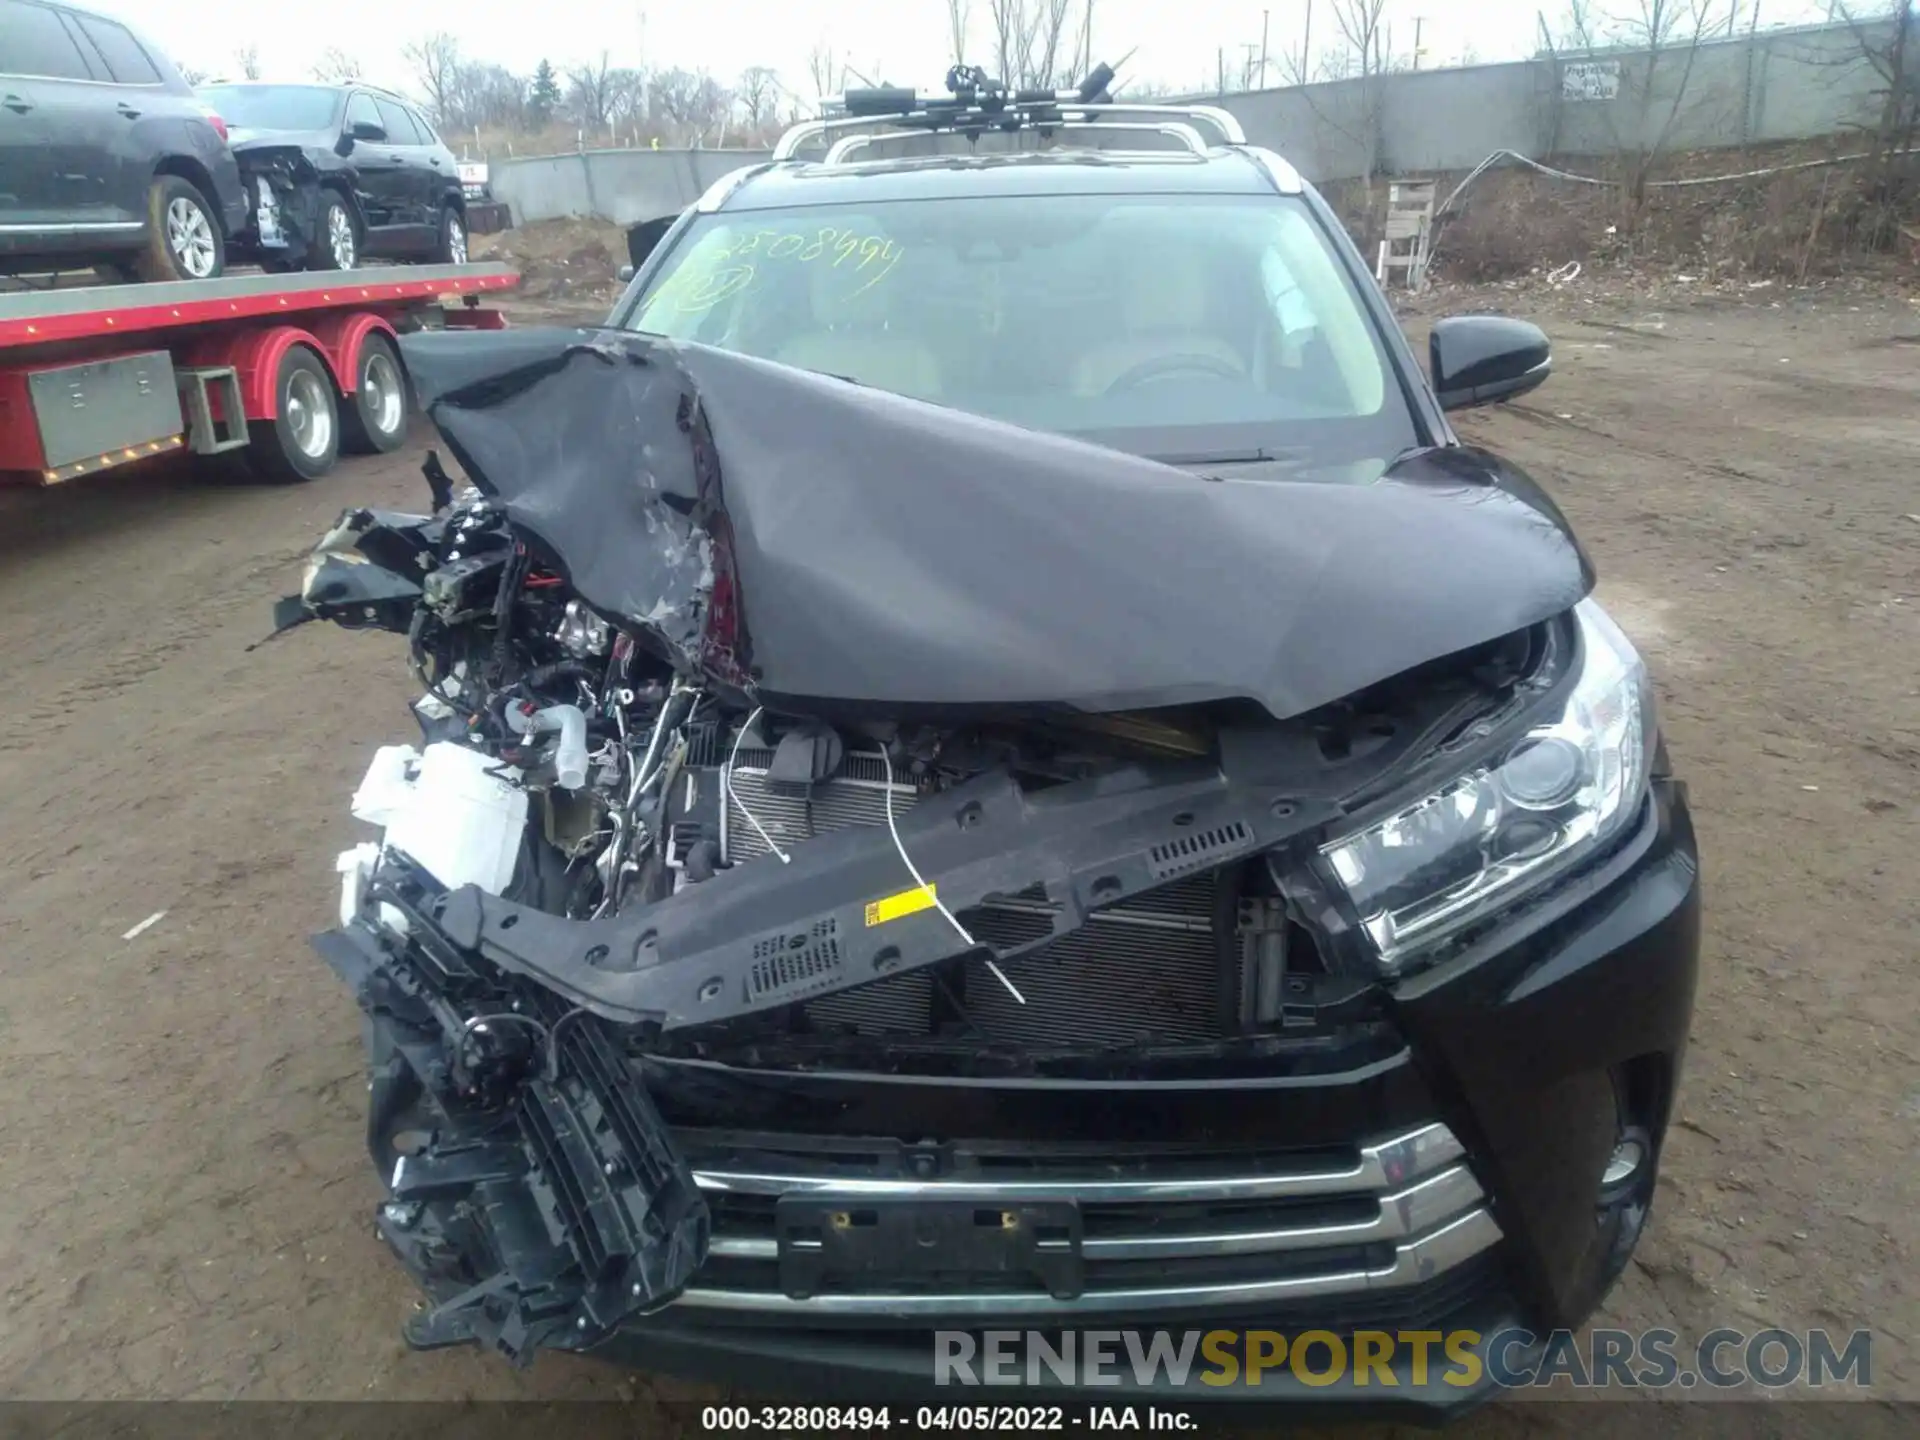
(1220, 56)
(1306, 47)
(1418, 21)
(1264, 14)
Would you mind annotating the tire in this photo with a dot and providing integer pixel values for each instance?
(451, 246)
(183, 239)
(374, 418)
(302, 441)
(337, 245)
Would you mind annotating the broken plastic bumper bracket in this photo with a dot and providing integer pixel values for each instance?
(533, 1191)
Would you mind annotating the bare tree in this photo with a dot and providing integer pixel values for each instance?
(1362, 50)
(758, 90)
(592, 91)
(478, 95)
(336, 67)
(191, 74)
(1037, 43)
(247, 61)
(687, 103)
(826, 70)
(435, 60)
(1889, 42)
(1654, 84)
(959, 19)
(1361, 28)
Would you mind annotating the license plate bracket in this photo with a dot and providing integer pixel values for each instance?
(857, 1243)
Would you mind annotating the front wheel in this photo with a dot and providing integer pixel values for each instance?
(337, 246)
(302, 441)
(183, 240)
(452, 246)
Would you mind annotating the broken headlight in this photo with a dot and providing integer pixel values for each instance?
(1556, 797)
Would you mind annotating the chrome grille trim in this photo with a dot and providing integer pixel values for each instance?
(1384, 1166)
(1408, 1212)
(1413, 1263)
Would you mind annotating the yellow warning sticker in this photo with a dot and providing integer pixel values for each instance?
(907, 902)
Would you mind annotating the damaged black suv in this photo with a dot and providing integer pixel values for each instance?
(992, 763)
(337, 175)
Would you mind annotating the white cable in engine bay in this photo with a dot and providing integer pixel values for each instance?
(726, 783)
(931, 893)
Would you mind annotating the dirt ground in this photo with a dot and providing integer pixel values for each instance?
(185, 1207)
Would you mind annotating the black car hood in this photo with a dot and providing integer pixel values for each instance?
(822, 541)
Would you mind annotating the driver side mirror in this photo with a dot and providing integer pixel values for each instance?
(365, 130)
(1484, 359)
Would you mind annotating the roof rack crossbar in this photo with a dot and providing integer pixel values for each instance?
(1189, 137)
(954, 116)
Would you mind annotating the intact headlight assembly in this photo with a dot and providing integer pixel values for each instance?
(1558, 795)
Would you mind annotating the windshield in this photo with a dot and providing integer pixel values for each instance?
(274, 107)
(1204, 328)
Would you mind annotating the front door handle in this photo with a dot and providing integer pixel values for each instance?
(18, 104)
(127, 110)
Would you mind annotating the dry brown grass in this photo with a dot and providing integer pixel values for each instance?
(1797, 224)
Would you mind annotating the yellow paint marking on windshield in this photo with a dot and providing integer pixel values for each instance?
(719, 273)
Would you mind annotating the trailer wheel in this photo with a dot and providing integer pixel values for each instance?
(302, 441)
(374, 420)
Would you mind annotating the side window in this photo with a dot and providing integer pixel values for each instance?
(428, 135)
(398, 124)
(361, 110)
(34, 42)
(128, 63)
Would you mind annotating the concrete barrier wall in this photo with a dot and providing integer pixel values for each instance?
(1795, 84)
(623, 186)
(1799, 84)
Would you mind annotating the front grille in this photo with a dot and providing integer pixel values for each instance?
(1162, 1232)
(1144, 972)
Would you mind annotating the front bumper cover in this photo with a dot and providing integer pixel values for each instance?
(1528, 1053)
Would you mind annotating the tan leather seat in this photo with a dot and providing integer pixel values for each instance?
(1164, 314)
(855, 338)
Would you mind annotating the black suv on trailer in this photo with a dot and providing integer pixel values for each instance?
(1303, 917)
(337, 175)
(106, 157)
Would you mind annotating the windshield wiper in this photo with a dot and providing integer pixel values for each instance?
(1291, 459)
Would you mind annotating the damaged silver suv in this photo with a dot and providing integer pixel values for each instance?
(987, 760)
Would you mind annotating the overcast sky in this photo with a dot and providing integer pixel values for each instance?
(1177, 40)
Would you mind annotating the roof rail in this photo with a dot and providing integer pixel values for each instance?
(977, 105)
(1188, 137)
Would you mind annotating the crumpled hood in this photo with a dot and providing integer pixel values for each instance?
(242, 139)
(849, 545)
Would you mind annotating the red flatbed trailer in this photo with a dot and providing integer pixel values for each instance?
(292, 368)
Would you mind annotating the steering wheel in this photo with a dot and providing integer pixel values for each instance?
(1173, 365)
